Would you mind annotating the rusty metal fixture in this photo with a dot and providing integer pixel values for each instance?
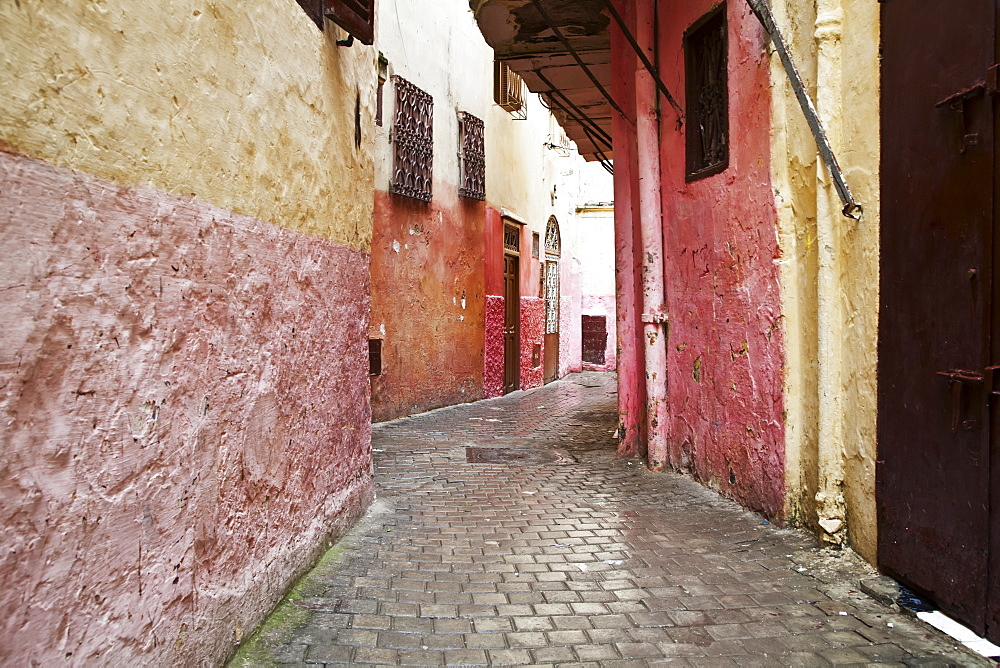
(472, 157)
(413, 141)
(576, 56)
(763, 13)
(644, 58)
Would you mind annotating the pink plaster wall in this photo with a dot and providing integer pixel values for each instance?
(493, 355)
(184, 415)
(602, 305)
(570, 341)
(532, 334)
(629, 357)
(725, 351)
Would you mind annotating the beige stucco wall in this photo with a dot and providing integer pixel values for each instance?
(246, 105)
(829, 268)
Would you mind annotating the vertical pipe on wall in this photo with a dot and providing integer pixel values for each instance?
(654, 317)
(830, 504)
(629, 354)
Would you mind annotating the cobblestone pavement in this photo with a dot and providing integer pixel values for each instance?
(507, 533)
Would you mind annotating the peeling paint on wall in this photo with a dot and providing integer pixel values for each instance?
(219, 101)
(184, 412)
(722, 281)
(430, 295)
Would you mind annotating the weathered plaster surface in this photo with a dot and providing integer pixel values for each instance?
(244, 105)
(603, 305)
(427, 264)
(570, 342)
(184, 417)
(830, 269)
(493, 362)
(532, 334)
(725, 349)
(631, 389)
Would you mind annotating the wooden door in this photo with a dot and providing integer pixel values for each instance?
(511, 325)
(937, 284)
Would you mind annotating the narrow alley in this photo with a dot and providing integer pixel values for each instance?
(506, 532)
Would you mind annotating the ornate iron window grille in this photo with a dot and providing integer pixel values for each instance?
(472, 157)
(553, 245)
(413, 141)
(551, 296)
(706, 65)
(511, 238)
(553, 248)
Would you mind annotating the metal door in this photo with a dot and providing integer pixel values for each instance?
(937, 284)
(595, 338)
(511, 324)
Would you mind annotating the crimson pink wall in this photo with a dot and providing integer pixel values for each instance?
(631, 374)
(430, 298)
(725, 352)
(532, 334)
(184, 417)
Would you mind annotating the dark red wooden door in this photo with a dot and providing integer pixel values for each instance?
(933, 479)
(511, 325)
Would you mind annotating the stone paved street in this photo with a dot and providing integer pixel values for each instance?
(506, 532)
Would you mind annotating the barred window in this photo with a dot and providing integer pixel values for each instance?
(511, 238)
(553, 248)
(413, 140)
(471, 157)
(707, 92)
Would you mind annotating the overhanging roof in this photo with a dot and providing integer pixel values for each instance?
(562, 50)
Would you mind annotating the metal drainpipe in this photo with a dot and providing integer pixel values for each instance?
(654, 316)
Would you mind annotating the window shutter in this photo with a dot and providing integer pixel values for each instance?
(357, 17)
(314, 10)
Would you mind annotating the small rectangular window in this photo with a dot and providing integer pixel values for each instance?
(511, 238)
(508, 90)
(707, 93)
(471, 157)
(374, 357)
(413, 141)
(535, 244)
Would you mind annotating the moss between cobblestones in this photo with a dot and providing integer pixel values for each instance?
(286, 618)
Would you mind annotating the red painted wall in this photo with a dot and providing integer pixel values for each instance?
(631, 374)
(184, 417)
(532, 334)
(725, 352)
(427, 258)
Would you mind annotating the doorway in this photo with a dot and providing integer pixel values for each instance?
(938, 425)
(512, 310)
(553, 250)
